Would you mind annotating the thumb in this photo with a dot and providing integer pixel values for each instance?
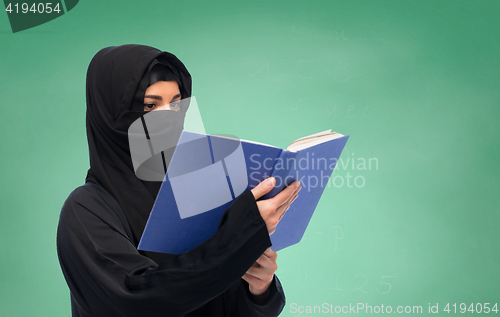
(264, 187)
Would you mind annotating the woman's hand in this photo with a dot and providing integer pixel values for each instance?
(260, 275)
(273, 209)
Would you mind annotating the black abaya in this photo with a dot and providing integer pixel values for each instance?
(102, 221)
(108, 277)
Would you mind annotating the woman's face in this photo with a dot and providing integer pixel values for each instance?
(162, 95)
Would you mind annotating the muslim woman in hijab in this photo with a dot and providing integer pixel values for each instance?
(101, 222)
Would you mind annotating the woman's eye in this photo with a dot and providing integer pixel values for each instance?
(149, 106)
(175, 105)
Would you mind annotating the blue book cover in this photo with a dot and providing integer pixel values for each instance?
(208, 172)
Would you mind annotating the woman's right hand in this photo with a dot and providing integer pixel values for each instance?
(273, 209)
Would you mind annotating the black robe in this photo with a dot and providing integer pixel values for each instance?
(107, 276)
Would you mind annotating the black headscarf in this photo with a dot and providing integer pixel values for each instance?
(117, 79)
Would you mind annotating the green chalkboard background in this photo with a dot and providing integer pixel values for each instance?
(415, 84)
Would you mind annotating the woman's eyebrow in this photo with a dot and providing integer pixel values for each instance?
(160, 98)
(153, 97)
(175, 97)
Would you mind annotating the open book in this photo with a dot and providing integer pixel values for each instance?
(208, 172)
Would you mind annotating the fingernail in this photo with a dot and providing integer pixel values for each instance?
(270, 181)
(298, 184)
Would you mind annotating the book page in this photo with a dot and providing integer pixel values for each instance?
(305, 142)
(313, 135)
(312, 140)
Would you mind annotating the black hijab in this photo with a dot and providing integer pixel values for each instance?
(117, 79)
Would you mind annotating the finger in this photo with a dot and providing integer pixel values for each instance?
(244, 277)
(249, 278)
(283, 209)
(283, 212)
(268, 257)
(263, 274)
(265, 262)
(276, 217)
(279, 212)
(255, 264)
(294, 194)
(270, 253)
(255, 281)
(264, 187)
(291, 196)
(292, 199)
(285, 193)
(255, 272)
(256, 285)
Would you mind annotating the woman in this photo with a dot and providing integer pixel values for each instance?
(101, 222)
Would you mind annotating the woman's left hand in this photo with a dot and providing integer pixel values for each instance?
(260, 275)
